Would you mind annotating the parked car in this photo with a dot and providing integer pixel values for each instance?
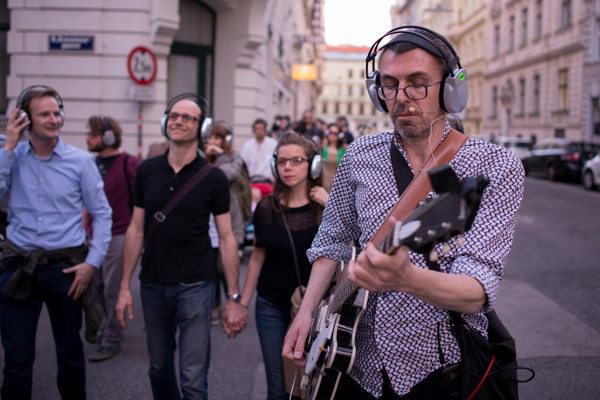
(590, 175)
(558, 158)
(521, 147)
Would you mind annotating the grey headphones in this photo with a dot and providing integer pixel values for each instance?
(229, 137)
(316, 163)
(26, 94)
(205, 127)
(454, 92)
(108, 136)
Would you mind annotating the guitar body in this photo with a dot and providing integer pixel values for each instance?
(333, 350)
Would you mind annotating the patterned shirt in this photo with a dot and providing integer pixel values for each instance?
(398, 333)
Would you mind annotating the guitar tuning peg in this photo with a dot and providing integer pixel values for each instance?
(460, 241)
(446, 248)
(433, 255)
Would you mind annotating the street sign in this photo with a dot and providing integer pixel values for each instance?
(141, 65)
(71, 42)
(140, 93)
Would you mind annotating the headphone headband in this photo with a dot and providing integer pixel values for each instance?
(108, 136)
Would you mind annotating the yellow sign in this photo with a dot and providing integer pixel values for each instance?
(304, 72)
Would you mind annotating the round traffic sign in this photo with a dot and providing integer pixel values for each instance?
(141, 65)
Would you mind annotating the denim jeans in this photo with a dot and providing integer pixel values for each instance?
(168, 307)
(272, 323)
(18, 327)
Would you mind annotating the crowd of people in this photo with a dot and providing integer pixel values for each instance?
(80, 225)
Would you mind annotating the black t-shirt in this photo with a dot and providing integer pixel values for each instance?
(180, 249)
(278, 277)
(104, 164)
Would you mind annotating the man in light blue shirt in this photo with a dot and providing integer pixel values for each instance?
(49, 182)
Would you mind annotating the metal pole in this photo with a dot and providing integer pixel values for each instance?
(140, 130)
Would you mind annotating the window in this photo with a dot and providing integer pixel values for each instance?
(362, 91)
(538, 19)
(596, 115)
(324, 108)
(349, 90)
(565, 13)
(494, 102)
(511, 33)
(524, 17)
(337, 108)
(349, 109)
(596, 40)
(497, 40)
(559, 132)
(350, 74)
(536, 94)
(361, 109)
(190, 63)
(563, 89)
(522, 96)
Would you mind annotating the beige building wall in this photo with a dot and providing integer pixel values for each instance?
(344, 91)
(255, 43)
(535, 69)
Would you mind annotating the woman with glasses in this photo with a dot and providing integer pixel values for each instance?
(272, 266)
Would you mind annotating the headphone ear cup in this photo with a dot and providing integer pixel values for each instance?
(316, 166)
(273, 165)
(229, 140)
(163, 125)
(108, 138)
(455, 91)
(62, 116)
(372, 81)
(205, 129)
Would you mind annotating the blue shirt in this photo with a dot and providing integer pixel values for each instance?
(45, 208)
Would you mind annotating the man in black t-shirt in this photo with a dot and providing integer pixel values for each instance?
(178, 276)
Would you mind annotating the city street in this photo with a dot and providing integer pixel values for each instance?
(548, 300)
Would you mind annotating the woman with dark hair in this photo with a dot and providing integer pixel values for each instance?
(272, 267)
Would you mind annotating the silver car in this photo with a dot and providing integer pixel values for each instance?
(590, 174)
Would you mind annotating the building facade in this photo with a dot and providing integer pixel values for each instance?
(238, 54)
(344, 92)
(533, 65)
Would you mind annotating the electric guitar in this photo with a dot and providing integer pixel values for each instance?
(330, 345)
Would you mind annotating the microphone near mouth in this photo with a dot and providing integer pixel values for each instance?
(412, 110)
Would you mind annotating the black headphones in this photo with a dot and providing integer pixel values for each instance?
(316, 163)
(26, 94)
(454, 91)
(205, 126)
(108, 136)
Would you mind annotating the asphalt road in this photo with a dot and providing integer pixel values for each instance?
(548, 301)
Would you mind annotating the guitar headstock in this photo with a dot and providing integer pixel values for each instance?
(449, 212)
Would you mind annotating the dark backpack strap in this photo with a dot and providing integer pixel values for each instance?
(402, 172)
(161, 216)
(128, 183)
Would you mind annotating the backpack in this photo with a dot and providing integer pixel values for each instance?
(243, 192)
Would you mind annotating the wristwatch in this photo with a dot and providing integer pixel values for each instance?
(235, 297)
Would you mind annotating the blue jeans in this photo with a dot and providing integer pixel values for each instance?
(272, 323)
(187, 307)
(18, 327)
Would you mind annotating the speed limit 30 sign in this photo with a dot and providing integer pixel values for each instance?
(141, 65)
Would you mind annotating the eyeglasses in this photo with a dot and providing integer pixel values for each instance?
(295, 161)
(184, 117)
(413, 92)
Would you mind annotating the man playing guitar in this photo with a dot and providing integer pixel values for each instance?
(403, 340)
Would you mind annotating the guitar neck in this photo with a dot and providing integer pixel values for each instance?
(388, 245)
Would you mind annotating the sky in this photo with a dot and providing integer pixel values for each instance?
(356, 22)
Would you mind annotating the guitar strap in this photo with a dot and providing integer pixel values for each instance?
(420, 185)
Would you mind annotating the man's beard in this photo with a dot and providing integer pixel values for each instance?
(421, 130)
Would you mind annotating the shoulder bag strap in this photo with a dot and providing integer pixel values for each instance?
(289, 233)
(420, 185)
(161, 216)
